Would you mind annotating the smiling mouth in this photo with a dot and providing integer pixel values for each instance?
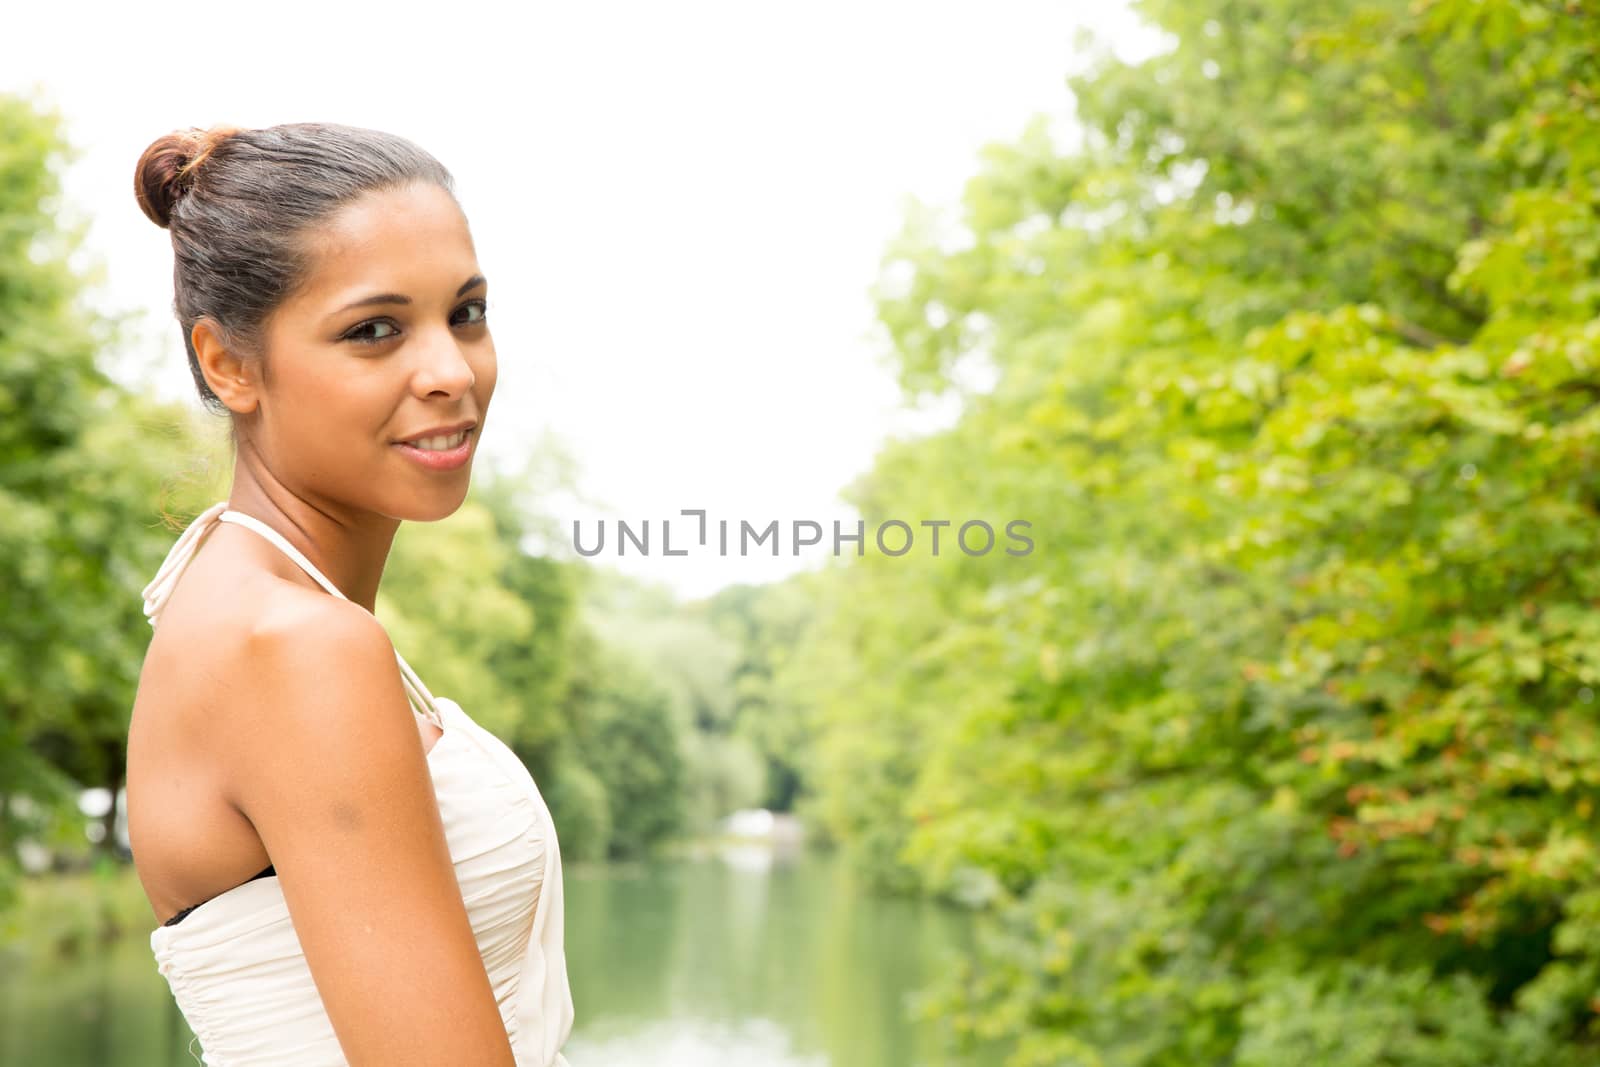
(439, 443)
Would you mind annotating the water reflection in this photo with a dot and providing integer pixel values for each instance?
(691, 1043)
(785, 952)
(748, 957)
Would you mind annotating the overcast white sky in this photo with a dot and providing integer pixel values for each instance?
(679, 207)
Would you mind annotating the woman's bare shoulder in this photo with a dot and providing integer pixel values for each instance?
(204, 665)
(300, 645)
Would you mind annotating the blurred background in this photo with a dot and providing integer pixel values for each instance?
(1279, 322)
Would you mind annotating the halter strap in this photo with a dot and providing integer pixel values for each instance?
(159, 591)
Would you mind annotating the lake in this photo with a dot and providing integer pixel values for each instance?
(740, 957)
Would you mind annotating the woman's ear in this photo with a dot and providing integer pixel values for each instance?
(232, 378)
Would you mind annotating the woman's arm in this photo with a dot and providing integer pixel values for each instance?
(330, 769)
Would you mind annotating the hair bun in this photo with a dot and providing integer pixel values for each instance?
(166, 170)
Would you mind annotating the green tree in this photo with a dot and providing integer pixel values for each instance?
(83, 466)
(764, 622)
(626, 738)
(1280, 747)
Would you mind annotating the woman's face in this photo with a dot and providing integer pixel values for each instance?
(387, 342)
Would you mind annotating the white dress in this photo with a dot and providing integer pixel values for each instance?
(235, 965)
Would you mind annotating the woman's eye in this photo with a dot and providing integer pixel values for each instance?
(482, 307)
(357, 335)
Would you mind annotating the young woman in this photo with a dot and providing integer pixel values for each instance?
(347, 868)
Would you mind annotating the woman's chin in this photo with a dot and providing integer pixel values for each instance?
(440, 503)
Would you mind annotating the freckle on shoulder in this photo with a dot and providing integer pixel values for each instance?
(346, 816)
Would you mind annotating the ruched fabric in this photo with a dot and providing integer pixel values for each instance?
(235, 965)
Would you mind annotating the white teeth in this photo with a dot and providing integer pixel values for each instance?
(439, 444)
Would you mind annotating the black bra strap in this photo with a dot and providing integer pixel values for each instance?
(269, 871)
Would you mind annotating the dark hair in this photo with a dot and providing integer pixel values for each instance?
(240, 204)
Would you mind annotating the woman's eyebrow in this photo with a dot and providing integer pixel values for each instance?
(400, 298)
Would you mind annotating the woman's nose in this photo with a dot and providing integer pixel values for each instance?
(444, 369)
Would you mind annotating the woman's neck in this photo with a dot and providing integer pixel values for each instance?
(349, 546)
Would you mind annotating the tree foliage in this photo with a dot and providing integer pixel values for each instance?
(82, 468)
(1282, 745)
